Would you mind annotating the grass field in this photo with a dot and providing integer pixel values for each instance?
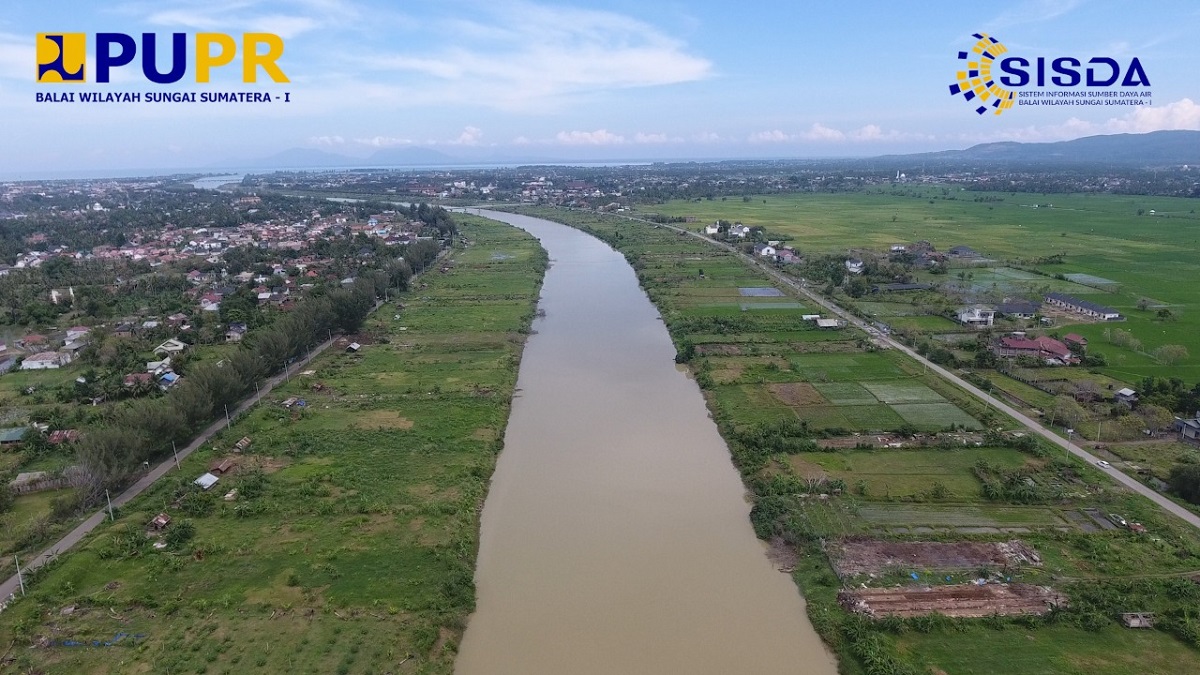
(1053, 650)
(900, 473)
(1099, 235)
(350, 546)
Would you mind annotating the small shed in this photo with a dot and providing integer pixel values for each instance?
(160, 521)
(353, 347)
(1138, 619)
(242, 444)
(206, 481)
(223, 466)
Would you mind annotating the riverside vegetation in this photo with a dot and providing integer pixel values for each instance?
(351, 543)
(781, 391)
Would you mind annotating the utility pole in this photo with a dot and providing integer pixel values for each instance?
(20, 578)
(228, 422)
(1070, 432)
(175, 451)
(111, 516)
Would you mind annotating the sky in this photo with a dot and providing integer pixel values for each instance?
(519, 80)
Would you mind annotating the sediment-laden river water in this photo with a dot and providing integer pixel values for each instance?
(616, 536)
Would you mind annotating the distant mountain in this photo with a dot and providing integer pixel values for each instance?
(1157, 148)
(409, 156)
(299, 158)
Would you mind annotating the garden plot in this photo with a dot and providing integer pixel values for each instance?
(966, 600)
(854, 557)
(934, 416)
(903, 392)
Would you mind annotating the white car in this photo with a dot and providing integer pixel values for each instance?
(1103, 464)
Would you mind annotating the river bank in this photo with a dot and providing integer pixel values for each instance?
(351, 541)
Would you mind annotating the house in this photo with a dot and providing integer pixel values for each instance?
(7, 364)
(134, 379)
(787, 256)
(899, 248)
(764, 250)
(158, 367)
(236, 332)
(830, 324)
(171, 347)
(77, 332)
(712, 229)
(177, 319)
(61, 436)
(854, 266)
(1075, 340)
(1126, 396)
(123, 329)
(45, 361)
(739, 230)
(1085, 307)
(1019, 309)
(976, 317)
(168, 380)
(12, 436)
(1189, 430)
(962, 252)
(1048, 349)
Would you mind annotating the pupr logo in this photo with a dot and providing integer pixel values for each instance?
(61, 57)
(976, 82)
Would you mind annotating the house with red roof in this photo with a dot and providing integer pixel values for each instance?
(1044, 348)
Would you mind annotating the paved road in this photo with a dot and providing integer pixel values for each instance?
(13, 586)
(1116, 474)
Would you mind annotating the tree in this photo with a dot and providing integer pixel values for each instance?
(1170, 354)
(1156, 417)
(1185, 481)
(1067, 411)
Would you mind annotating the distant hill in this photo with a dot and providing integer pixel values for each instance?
(410, 156)
(1158, 148)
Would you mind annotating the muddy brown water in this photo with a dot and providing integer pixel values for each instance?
(616, 534)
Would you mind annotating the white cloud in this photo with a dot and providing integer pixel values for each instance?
(597, 137)
(521, 140)
(773, 136)
(1181, 114)
(469, 136)
(820, 132)
(326, 141)
(383, 141)
(707, 137)
(640, 137)
(524, 56)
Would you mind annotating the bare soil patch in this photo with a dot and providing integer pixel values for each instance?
(718, 350)
(966, 600)
(797, 394)
(853, 557)
(782, 555)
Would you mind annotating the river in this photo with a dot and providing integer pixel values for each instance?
(616, 534)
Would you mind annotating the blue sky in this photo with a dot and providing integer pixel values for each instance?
(612, 79)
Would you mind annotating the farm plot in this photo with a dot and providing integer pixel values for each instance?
(903, 392)
(959, 516)
(965, 600)
(934, 416)
(855, 556)
(900, 473)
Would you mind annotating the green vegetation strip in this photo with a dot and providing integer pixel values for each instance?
(350, 544)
